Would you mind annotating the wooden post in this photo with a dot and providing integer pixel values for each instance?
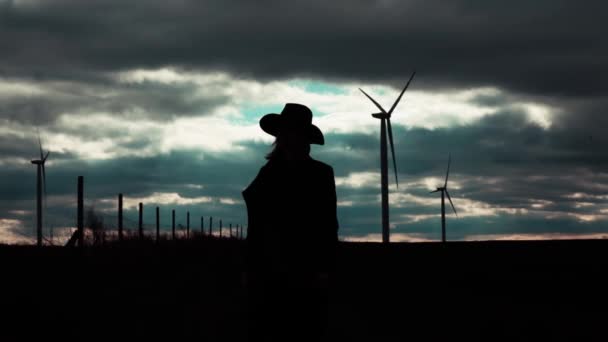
(220, 228)
(173, 224)
(187, 225)
(157, 224)
(141, 222)
(120, 237)
(80, 215)
(230, 230)
(210, 225)
(202, 226)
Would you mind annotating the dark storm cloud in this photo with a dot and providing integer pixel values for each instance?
(540, 47)
(497, 144)
(12, 145)
(503, 160)
(221, 176)
(146, 99)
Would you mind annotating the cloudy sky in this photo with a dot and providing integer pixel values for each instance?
(160, 100)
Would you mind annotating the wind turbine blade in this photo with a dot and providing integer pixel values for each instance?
(448, 171)
(374, 101)
(47, 155)
(447, 193)
(433, 191)
(390, 139)
(390, 112)
(40, 145)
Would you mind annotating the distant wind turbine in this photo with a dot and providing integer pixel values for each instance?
(385, 120)
(444, 191)
(40, 185)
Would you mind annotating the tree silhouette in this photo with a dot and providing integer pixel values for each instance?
(95, 223)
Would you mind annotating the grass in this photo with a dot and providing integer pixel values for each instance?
(192, 289)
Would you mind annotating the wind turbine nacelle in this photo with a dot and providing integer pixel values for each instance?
(380, 116)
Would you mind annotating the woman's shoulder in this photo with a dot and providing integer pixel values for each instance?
(321, 167)
(261, 177)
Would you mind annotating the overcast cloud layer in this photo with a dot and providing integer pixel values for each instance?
(160, 101)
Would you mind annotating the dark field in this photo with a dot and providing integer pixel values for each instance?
(192, 290)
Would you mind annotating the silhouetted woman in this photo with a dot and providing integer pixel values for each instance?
(292, 232)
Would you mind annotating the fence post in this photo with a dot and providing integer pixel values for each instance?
(157, 224)
(202, 227)
(210, 225)
(220, 228)
(119, 217)
(173, 224)
(141, 222)
(187, 225)
(230, 234)
(80, 215)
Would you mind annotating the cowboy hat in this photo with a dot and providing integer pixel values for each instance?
(293, 117)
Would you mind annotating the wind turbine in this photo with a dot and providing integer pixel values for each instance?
(40, 185)
(444, 191)
(385, 120)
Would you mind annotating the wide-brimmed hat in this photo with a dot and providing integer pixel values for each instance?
(293, 117)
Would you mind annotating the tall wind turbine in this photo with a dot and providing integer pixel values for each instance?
(444, 191)
(40, 185)
(385, 120)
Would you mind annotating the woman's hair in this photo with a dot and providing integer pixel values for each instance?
(285, 144)
(273, 154)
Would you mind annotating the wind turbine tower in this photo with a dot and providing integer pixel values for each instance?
(385, 122)
(444, 192)
(40, 187)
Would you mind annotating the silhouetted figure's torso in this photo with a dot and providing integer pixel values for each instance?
(291, 235)
(291, 207)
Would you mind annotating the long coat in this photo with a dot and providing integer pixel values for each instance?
(292, 222)
(291, 237)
